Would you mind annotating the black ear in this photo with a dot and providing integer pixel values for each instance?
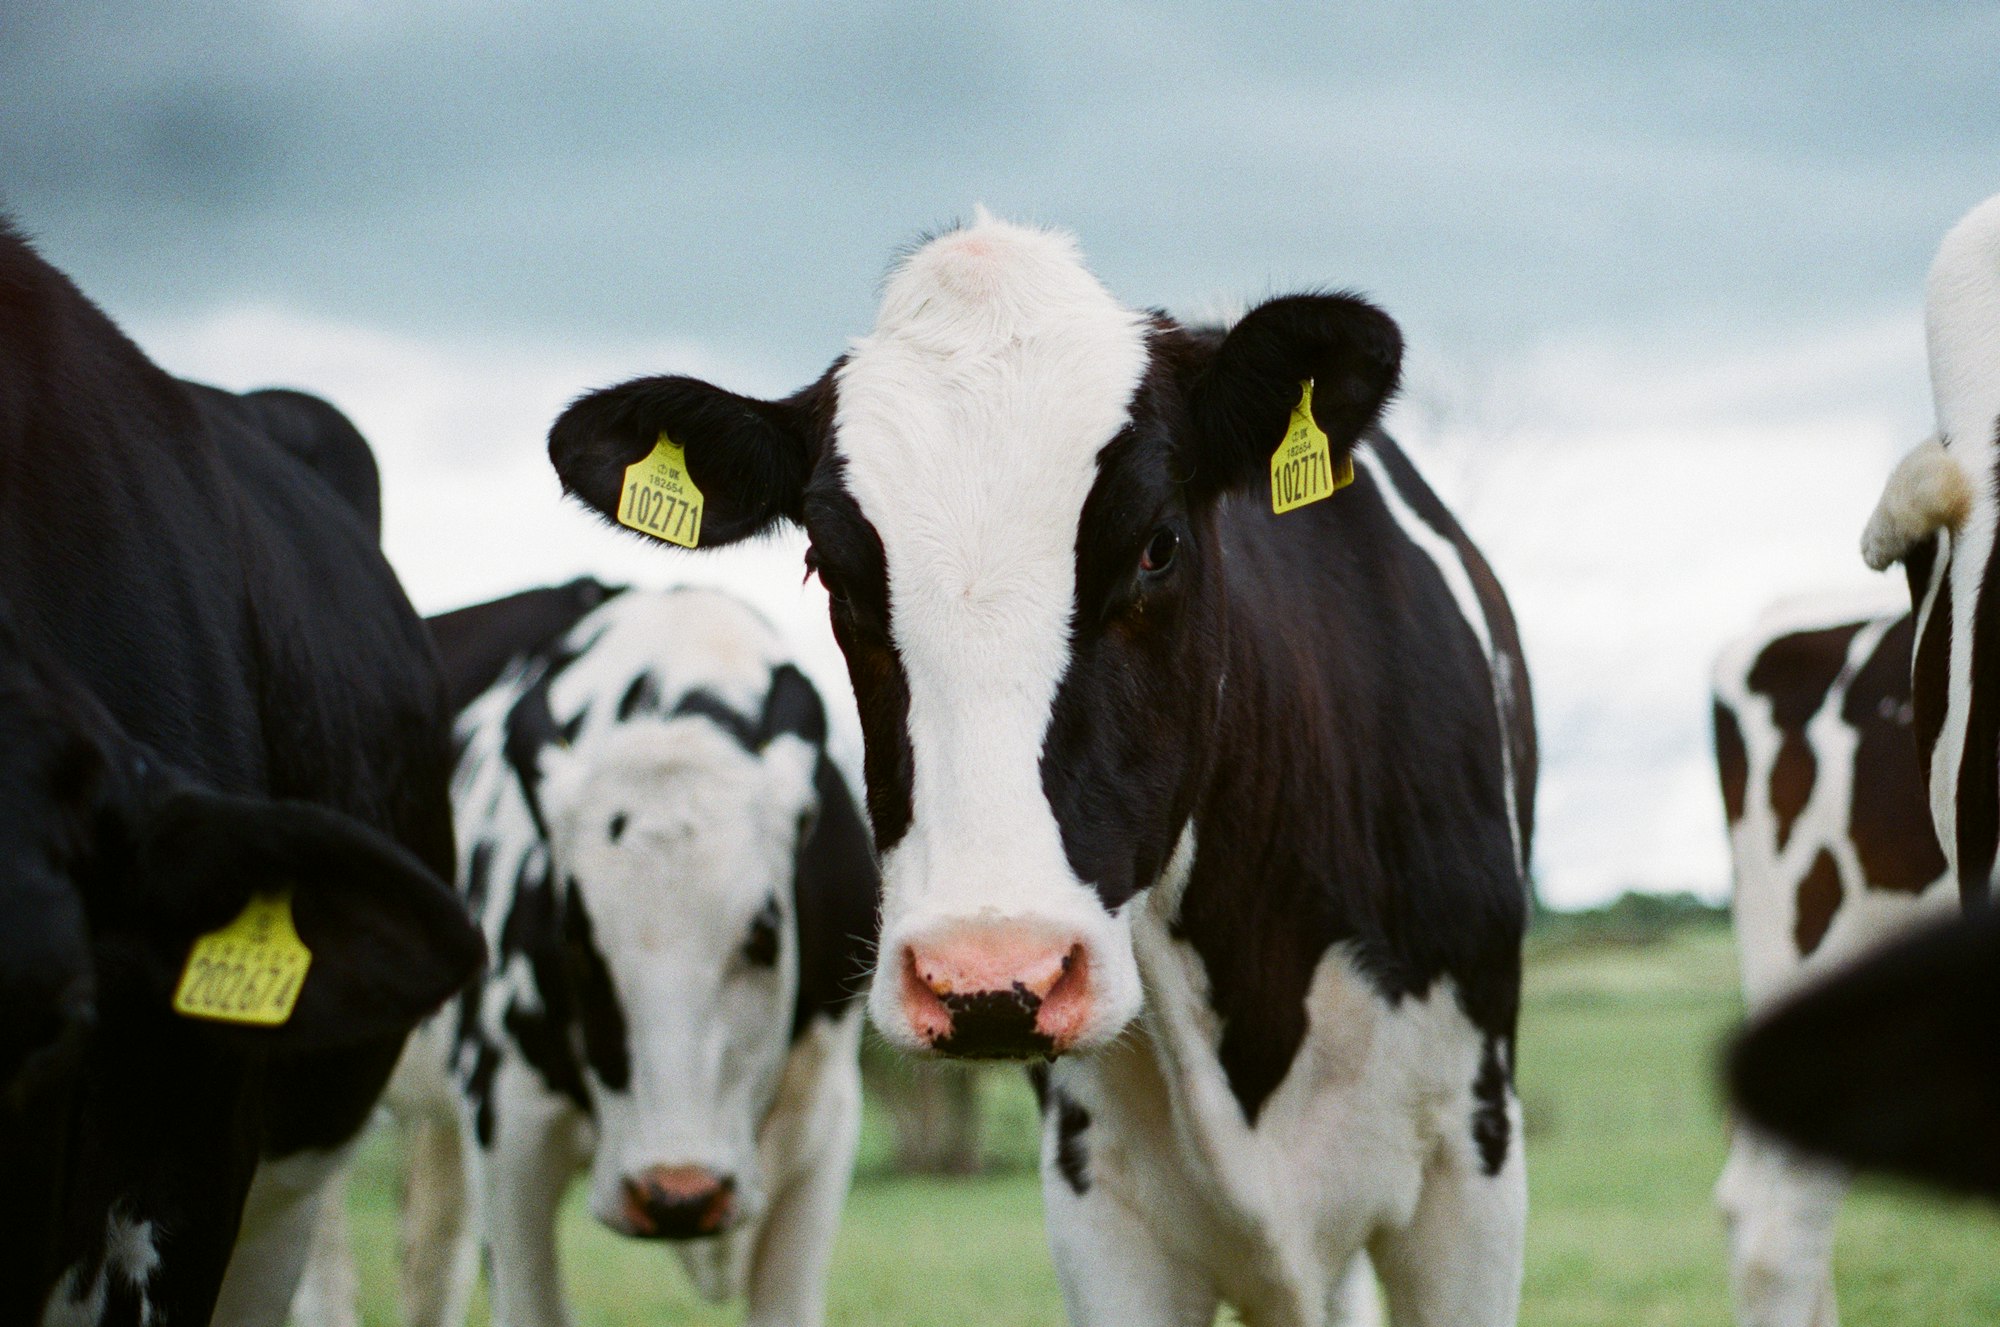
(1350, 350)
(1893, 1064)
(390, 941)
(749, 458)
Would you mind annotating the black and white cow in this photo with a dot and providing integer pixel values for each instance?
(1938, 515)
(1227, 810)
(679, 897)
(1833, 854)
(213, 691)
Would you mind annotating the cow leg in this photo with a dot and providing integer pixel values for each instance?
(329, 1290)
(520, 1183)
(440, 1255)
(1458, 1262)
(279, 1218)
(788, 1266)
(1112, 1270)
(1356, 1302)
(1781, 1210)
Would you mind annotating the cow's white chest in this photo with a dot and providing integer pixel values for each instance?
(1274, 1213)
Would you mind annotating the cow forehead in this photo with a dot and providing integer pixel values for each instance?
(970, 421)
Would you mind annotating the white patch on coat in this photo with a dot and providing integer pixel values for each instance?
(970, 421)
(1451, 566)
(131, 1257)
(1962, 328)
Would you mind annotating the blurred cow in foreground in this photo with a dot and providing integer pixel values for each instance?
(1199, 752)
(679, 896)
(224, 823)
(1833, 854)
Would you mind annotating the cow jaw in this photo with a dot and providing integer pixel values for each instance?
(969, 427)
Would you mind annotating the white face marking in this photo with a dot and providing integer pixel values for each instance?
(131, 1256)
(706, 839)
(970, 421)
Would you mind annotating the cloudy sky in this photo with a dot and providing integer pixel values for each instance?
(1659, 266)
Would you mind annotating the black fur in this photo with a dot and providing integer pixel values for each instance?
(1072, 1156)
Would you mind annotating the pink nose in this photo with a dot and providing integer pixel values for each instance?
(678, 1202)
(996, 993)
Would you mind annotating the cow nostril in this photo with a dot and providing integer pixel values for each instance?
(678, 1202)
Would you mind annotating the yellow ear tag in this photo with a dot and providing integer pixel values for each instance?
(660, 499)
(251, 971)
(1302, 468)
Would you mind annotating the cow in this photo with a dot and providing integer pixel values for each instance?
(225, 900)
(679, 896)
(1937, 516)
(1834, 854)
(1198, 753)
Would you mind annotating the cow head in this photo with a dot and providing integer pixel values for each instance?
(1011, 488)
(675, 843)
(114, 864)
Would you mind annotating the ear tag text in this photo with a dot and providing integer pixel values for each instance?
(251, 971)
(659, 497)
(1302, 468)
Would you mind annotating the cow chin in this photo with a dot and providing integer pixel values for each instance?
(1004, 986)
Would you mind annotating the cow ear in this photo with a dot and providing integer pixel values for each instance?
(389, 940)
(1893, 1064)
(1243, 398)
(749, 458)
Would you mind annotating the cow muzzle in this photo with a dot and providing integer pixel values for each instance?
(996, 993)
(678, 1202)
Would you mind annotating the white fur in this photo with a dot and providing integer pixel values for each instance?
(1781, 1207)
(970, 421)
(709, 835)
(1962, 326)
(131, 1255)
(1926, 492)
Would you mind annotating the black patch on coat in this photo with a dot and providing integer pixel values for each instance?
(1732, 761)
(1796, 671)
(1888, 818)
(1072, 1157)
(705, 704)
(1976, 804)
(1490, 1127)
(1930, 670)
(478, 873)
(836, 897)
(642, 697)
(760, 947)
(792, 705)
(532, 930)
(599, 1015)
(1818, 900)
(532, 727)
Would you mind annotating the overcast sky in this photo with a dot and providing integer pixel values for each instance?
(1659, 266)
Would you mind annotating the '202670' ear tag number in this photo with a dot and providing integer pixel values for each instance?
(1302, 468)
(251, 971)
(659, 497)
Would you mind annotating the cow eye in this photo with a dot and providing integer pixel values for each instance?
(617, 826)
(760, 947)
(1160, 551)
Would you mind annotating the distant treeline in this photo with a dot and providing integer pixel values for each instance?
(1632, 918)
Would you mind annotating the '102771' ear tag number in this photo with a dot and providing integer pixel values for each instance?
(1302, 468)
(659, 497)
(251, 971)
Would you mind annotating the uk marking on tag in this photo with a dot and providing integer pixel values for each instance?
(251, 971)
(659, 497)
(1302, 468)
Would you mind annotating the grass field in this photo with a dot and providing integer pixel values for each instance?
(1625, 1140)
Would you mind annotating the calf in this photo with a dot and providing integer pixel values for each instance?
(679, 896)
(227, 745)
(1833, 853)
(1938, 515)
(1224, 810)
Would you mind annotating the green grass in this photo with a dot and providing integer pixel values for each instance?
(1625, 1133)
